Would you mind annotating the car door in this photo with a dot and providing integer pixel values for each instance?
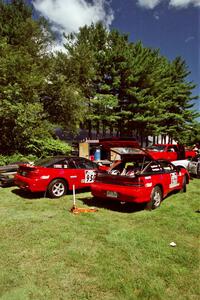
(85, 172)
(153, 174)
(71, 173)
(64, 168)
(171, 175)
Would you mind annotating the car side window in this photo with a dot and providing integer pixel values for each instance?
(153, 168)
(71, 164)
(168, 167)
(172, 149)
(85, 164)
(57, 165)
(65, 164)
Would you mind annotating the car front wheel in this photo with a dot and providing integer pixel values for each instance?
(155, 198)
(57, 188)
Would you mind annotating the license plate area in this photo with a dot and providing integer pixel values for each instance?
(111, 194)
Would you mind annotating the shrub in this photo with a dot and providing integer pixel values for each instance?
(37, 149)
(4, 159)
(48, 146)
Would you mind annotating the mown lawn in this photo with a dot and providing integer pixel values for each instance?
(118, 252)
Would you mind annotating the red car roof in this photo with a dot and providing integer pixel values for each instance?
(119, 142)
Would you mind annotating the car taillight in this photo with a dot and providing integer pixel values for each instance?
(141, 181)
(137, 181)
(32, 174)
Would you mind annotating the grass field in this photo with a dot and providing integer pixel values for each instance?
(116, 253)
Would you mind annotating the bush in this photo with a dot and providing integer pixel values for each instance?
(5, 160)
(48, 146)
(38, 148)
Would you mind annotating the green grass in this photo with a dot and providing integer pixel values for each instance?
(46, 252)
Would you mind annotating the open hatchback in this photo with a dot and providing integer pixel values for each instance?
(136, 177)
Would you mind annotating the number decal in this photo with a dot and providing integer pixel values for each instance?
(174, 180)
(89, 176)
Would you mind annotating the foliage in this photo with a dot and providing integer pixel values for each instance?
(39, 148)
(151, 94)
(63, 100)
(193, 134)
(47, 147)
(17, 157)
(24, 66)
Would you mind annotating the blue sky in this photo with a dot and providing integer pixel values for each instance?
(173, 26)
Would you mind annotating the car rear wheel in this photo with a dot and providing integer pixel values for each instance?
(155, 198)
(57, 188)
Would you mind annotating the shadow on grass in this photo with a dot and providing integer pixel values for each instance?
(126, 207)
(38, 195)
(28, 195)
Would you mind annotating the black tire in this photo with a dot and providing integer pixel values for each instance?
(155, 198)
(198, 170)
(57, 188)
(184, 183)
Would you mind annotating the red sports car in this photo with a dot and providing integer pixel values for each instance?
(137, 177)
(56, 175)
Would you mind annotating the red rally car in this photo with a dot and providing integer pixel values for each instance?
(56, 175)
(137, 177)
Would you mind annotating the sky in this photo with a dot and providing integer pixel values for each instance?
(173, 26)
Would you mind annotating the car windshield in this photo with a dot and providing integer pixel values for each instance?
(156, 148)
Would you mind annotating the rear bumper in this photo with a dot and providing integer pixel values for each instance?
(124, 193)
(30, 184)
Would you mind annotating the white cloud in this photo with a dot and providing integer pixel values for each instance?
(184, 3)
(189, 39)
(151, 4)
(70, 15)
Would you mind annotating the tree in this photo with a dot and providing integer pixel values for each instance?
(128, 87)
(24, 68)
(63, 98)
(179, 113)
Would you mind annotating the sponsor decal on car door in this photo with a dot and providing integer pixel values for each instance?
(89, 176)
(173, 180)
